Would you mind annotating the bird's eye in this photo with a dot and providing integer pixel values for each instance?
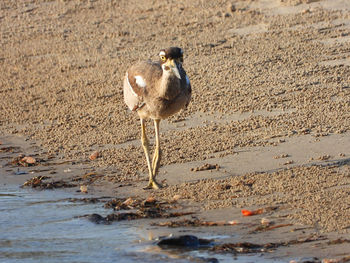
(162, 58)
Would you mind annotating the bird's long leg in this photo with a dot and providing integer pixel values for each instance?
(157, 152)
(145, 145)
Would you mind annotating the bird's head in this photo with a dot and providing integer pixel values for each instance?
(170, 59)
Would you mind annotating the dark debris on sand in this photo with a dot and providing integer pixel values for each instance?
(139, 214)
(9, 149)
(141, 208)
(132, 203)
(39, 182)
(193, 242)
(194, 222)
(206, 167)
(246, 247)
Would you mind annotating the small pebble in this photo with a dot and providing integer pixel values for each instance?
(176, 197)
(265, 221)
(28, 160)
(324, 157)
(83, 189)
(94, 155)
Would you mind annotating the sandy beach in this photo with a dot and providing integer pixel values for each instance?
(268, 126)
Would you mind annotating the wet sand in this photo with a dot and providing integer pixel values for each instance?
(270, 108)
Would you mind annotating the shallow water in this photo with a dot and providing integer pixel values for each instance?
(43, 226)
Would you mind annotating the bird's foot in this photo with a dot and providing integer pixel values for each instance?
(153, 185)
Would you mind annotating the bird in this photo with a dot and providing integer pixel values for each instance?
(156, 90)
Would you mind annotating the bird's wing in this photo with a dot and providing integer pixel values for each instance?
(188, 84)
(133, 92)
(185, 82)
(138, 78)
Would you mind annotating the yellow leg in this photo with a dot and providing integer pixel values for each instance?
(145, 144)
(157, 152)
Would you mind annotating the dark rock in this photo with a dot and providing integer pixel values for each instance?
(206, 260)
(308, 260)
(184, 241)
(96, 218)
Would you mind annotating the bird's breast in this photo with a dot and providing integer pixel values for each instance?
(169, 88)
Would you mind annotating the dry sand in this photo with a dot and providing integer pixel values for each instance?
(270, 106)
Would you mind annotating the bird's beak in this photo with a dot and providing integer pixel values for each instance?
(172, 65)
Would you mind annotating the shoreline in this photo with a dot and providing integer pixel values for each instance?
(244, 229)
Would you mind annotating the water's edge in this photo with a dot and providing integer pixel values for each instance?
(43, 226)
